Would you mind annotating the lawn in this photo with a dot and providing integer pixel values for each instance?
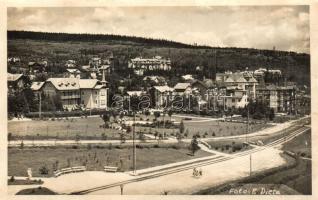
(300, 144)
(86, 128)
(89, 128)
(219, 128)
(93, 157)
(297, 178)
(228, 146)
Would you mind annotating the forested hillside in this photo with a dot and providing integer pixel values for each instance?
(59, 47)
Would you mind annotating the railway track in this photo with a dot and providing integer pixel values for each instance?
(215, 160)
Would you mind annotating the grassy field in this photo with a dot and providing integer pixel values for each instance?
(94, 158)
(300, 145)
(89, 128)
(218, 128)
(227, 146)
(297, 178)
(62, 129)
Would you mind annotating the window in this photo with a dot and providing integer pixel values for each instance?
(96, 92)
(95, 101)
(233, 100)
(102, 102)
(102, 93)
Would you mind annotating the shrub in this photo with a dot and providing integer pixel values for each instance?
(175, 147)
(138, 146)
(12, 179)
(44, 170)
(156, 146)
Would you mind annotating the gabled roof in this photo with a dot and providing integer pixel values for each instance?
(229, 80)
(133, 93)
(37, 86)
(14, 77)
(241, 80)
(188, 77)
(87, 83)
(65, 83)
(209, 83)
(181, 86)
(252, 80)
(199, 82)
(73, 70)
(235, 78)
(163, 88)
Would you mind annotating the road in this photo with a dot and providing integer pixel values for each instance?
(177, 180)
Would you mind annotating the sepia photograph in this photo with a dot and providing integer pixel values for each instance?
(159, 100)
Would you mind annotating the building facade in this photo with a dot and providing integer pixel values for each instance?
(141, 65)
(77, 93)
(280, 98)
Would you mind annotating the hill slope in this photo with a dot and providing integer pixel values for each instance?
(58, 47)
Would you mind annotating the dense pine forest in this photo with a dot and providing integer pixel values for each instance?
(59, 47)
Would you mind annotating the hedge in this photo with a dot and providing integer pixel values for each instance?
(59, 114)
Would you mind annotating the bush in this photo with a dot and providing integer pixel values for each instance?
(138, 146)
(156, 146)
(44, 170)
(175, 147)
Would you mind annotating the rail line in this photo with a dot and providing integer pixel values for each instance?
(215, 160)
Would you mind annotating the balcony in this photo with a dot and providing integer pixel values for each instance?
(74, 96)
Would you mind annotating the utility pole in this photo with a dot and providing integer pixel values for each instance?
(248, 122)
(250, 164)
(40, 106)
(134, 145)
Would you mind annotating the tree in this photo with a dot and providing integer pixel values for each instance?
(163, 118)
(106, 119)
(156, 134)
(179, 137)
(271, 114)
(122, 138)
(157, 115)
(147, 113)
(194, 146)
(128, 129)
(9, 137)
(114, 114)
(77, 138)
(181, 127)
(170, 113)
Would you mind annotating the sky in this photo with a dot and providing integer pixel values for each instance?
(262, 27)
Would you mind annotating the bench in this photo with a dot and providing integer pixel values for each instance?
(110, 169)
(69, 170)
(79, 169)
